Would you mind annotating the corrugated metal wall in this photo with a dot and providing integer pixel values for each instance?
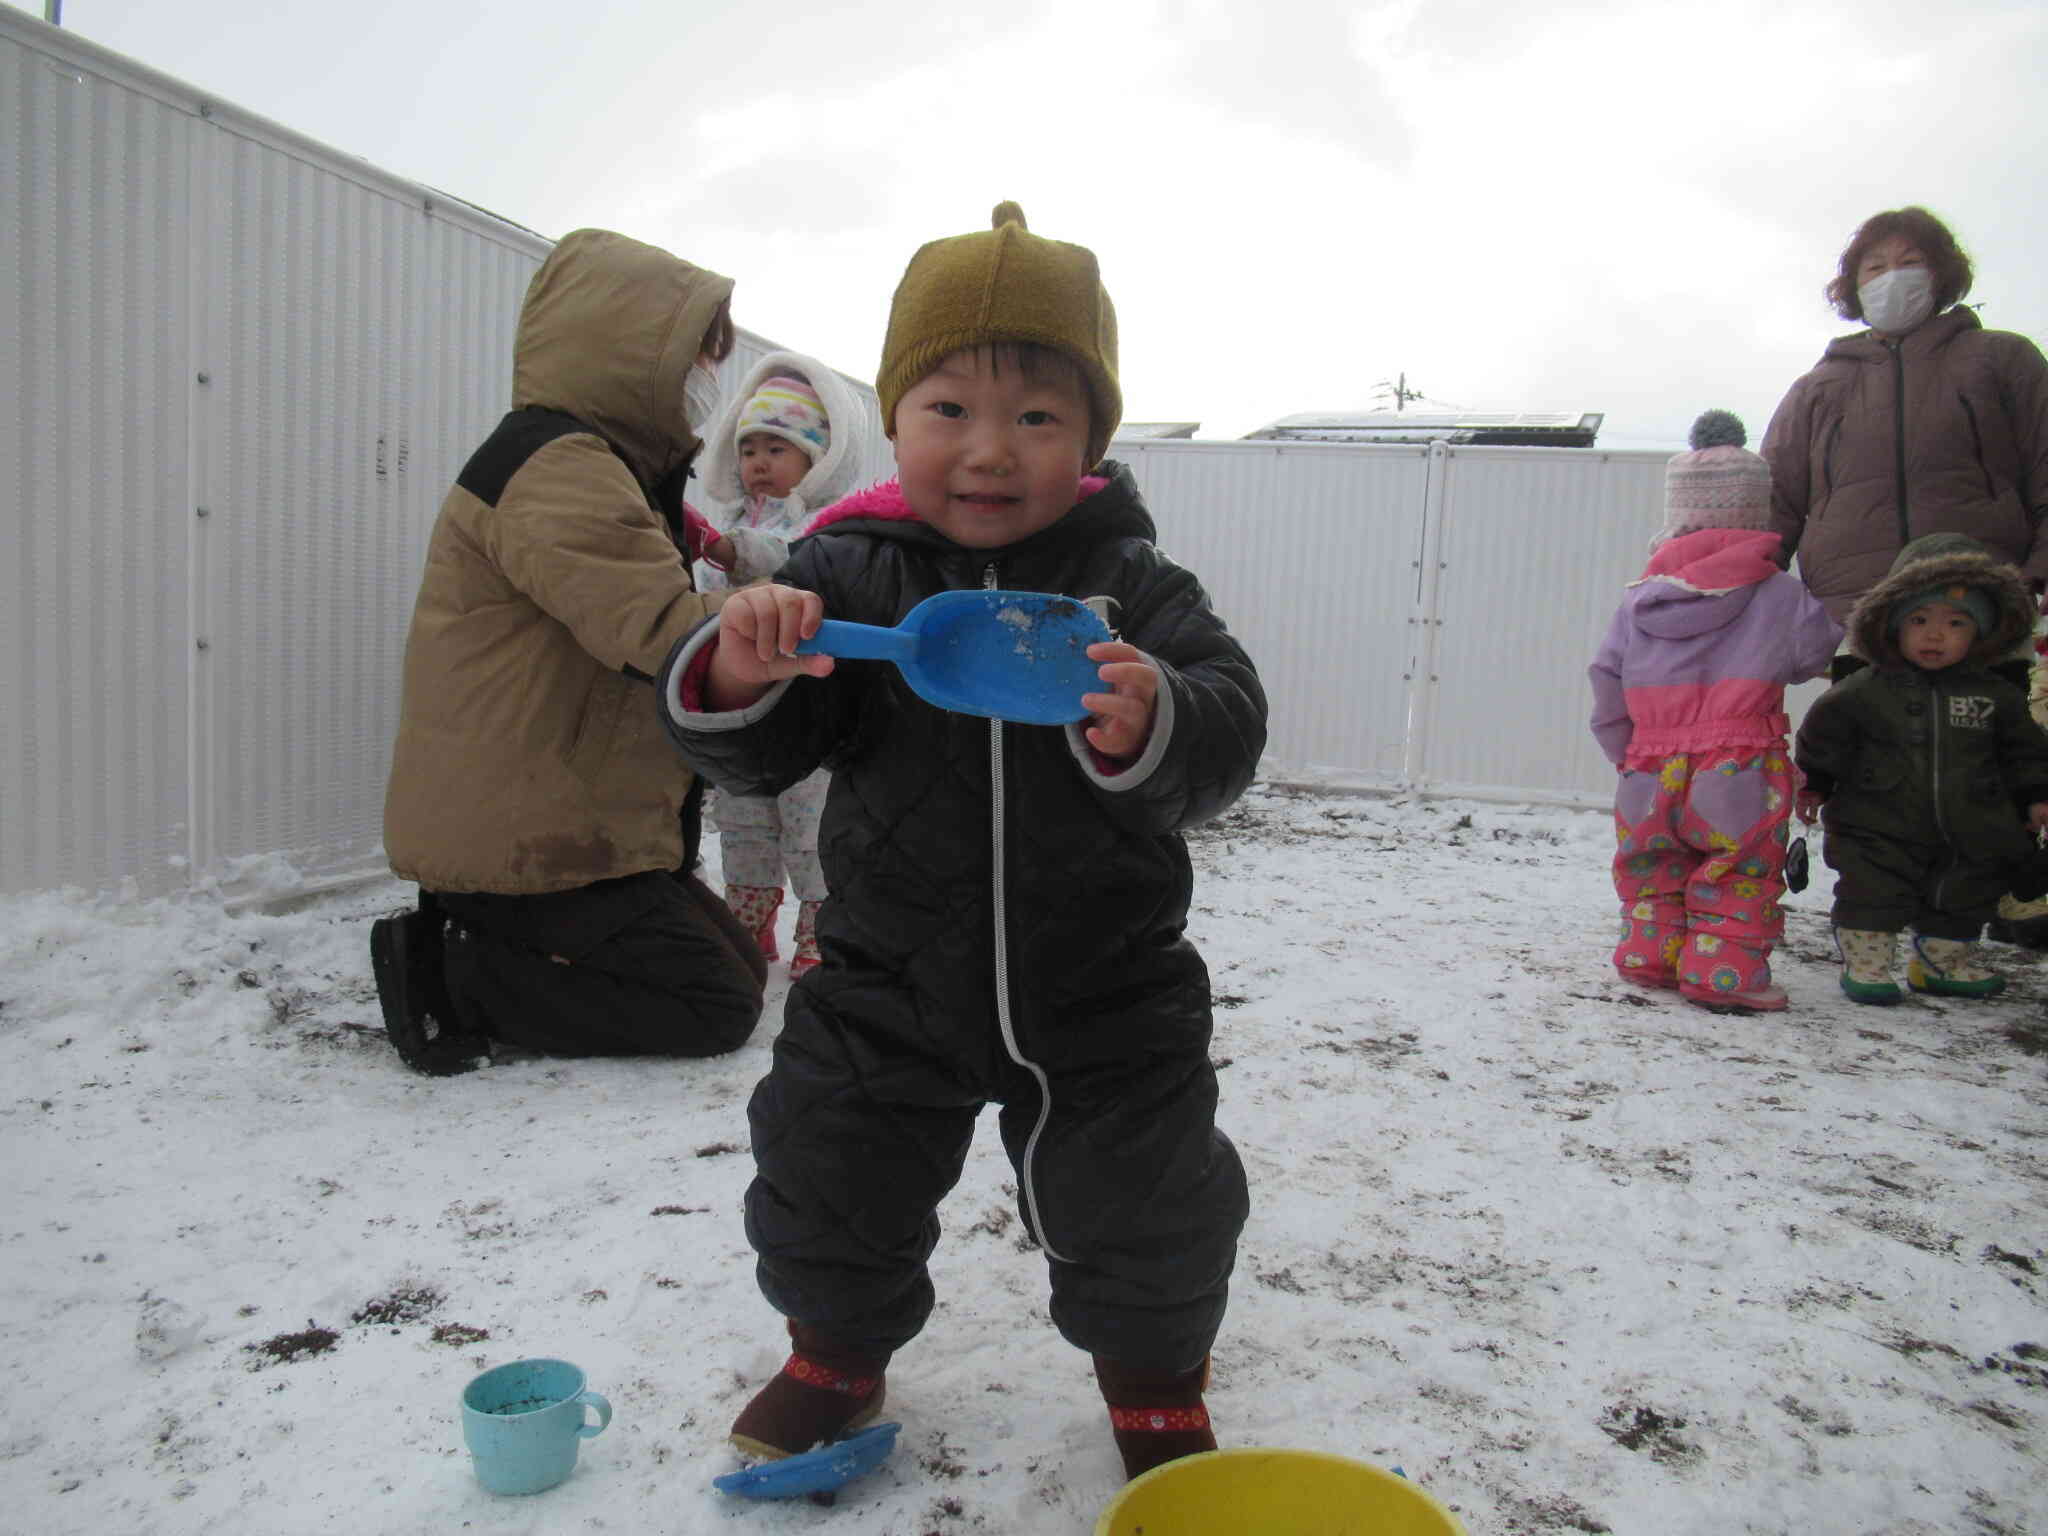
(248, 368)
(355, 349)
(94, 692)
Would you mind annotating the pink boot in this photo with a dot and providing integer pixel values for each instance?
(806, 956)
(1764, 999)
(754, 906)
(1727, 975)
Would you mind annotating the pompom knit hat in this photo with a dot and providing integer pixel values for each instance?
(1003, 284)
(786, 406)
(1719, 484)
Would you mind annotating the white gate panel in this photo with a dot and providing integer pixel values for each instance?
(1312, 555)
(1537, 544)
(97, 520)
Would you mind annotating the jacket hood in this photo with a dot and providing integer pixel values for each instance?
(1929, 335)
(608, 333)
(1941, 559)
(833, 475)
(1701, 581)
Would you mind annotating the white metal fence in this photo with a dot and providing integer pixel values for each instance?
(1421, 616)
(246, 369)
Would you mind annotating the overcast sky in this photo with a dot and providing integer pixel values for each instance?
(1626, 207)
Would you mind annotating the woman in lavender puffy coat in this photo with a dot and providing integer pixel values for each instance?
(1689, 704)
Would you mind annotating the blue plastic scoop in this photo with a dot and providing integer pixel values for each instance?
(1019, 656)
(813, 1472)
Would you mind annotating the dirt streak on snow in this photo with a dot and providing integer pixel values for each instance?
(1579, 1258)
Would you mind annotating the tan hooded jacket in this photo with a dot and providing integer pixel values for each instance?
(1942, 431)
(530, 758)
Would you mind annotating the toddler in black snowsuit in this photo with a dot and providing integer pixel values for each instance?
(1008, 902)
(1929, 773)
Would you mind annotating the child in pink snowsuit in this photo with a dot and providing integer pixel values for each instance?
(1689, 704)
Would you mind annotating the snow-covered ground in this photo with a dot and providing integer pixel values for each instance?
(1579, 1258)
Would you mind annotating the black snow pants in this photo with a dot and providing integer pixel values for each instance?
(1136, 1196)
(652, 964)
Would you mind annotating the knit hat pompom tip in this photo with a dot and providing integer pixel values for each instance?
(1716, 484)
(1717, 429)
(1007, 212)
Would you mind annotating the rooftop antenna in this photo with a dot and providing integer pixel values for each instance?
(53, 12)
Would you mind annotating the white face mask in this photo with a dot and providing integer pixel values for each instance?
(1897, 300)
(700, 397)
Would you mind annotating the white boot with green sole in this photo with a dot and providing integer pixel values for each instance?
(1867, 965)
(1950, 968)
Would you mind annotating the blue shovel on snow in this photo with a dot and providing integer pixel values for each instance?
(813, 1473)
(1019, 656)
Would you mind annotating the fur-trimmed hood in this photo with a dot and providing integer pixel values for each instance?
(832, 476)
(1940, 559)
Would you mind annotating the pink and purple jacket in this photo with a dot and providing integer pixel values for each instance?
(1700, 651)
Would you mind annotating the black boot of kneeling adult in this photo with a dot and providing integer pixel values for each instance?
(405, 958)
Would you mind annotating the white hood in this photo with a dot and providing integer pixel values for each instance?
(831, 477)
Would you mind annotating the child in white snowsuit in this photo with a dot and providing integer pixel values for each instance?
(1009, 902)
(787, 442)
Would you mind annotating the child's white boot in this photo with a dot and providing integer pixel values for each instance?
(1867, 965)
(1950, 968)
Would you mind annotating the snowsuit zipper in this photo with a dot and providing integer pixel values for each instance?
(1934, 757)
(1005, 1019)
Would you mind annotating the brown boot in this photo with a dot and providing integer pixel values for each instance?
(1157, 1416)
(823, 1392)
(754, 906)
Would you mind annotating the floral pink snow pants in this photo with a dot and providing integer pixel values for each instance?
(1700, 865)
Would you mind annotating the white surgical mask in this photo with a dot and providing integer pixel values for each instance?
(1897, 300)
(700, 397)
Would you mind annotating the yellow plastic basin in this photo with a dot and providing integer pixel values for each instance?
(1273, 1492)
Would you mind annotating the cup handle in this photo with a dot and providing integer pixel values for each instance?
(588, 1430)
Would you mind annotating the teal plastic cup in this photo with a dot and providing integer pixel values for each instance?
(524, 1421)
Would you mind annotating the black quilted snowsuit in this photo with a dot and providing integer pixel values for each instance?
(1005, 926)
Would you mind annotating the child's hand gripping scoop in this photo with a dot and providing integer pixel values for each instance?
(1020, 656)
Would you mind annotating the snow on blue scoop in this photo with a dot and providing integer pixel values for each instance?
(820, 1471)
(1019, 656)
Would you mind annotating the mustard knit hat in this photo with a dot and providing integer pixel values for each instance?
(1003, 284)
